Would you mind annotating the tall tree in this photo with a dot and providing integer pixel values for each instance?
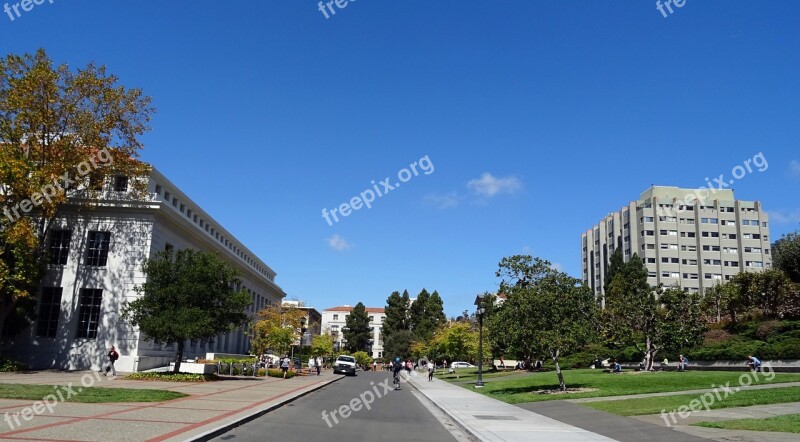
(651, 319)
(434, 315)
(553, 316)
(62, 131)
(188, 295)
(275, 328)
(416, 313)
(616, 264)
(396, 314)
(521, 271)
(357, 332)
(786, 255)
(398, 344)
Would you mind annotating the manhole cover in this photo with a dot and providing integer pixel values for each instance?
(496, 418)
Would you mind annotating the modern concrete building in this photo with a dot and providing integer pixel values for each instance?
(96, 260)
(693, 238)
(333, 321)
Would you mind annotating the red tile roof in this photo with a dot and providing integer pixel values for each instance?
(345, 308)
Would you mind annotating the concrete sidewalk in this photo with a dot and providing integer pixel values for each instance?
(211, 408)
(488, 419)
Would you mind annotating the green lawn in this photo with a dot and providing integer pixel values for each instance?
(789, 423)
(87, 395)
(471, 374)
(519, 389)
(654, 405)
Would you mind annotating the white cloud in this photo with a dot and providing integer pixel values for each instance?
(489, 185)
(445, 201)
(337, 242)
(794, 168)
(784, 216)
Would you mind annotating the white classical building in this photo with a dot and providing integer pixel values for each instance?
(333, 321)
(96, 260)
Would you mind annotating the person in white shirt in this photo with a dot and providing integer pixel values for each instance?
(430, 371)
(311, 363)
(319, 364)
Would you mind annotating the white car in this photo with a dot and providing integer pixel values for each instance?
(345, 364)
(461, 364)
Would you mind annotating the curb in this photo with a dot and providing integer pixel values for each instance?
(463, 426)
(211, 434)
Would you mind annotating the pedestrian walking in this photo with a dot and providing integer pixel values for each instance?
(430, 371)
(319, 365)
(285, 365)
(312, 362)
(374, 365)
(112, 357)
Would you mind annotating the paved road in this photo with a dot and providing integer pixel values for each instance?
(394, 416)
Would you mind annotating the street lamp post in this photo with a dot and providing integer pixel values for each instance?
(302, 335)
(480, 311)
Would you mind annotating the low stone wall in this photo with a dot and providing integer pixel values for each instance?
(784, 365)
(193, 367)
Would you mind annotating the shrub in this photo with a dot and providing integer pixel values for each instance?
(782, 349)
(172, 377)
(8, 365)
(713, 337)
(766, 329)
(278, 373)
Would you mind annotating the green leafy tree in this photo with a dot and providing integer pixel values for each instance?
(615, 265)
(357, 332)
(457, 341)
(275, 328)
(396, 311)
(682, 323)
(363, 359)
(188, 295)
(56, 122)
(322, 345)
(434, 316)
(521, 271)
(417, 321)
(553, 316)
(398, 344)
(786, 255)
(651, 319)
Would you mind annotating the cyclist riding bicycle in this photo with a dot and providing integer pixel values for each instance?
(397, 367)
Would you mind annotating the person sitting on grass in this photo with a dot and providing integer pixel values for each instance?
(617, 367)
(754, 363)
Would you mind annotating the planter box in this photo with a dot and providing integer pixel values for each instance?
(194, 368)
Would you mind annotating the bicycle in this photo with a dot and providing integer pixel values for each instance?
(396, 380)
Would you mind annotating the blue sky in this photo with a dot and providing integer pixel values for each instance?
(538, 119)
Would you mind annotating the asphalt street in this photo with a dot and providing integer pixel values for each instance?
(390, 415)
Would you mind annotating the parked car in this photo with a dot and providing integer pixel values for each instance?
(345, 364)
(461, 364)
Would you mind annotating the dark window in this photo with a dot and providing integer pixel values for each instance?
(121, 183)
(96, 182)
(49, 310)
(89, 313)
(97, 251)
(59, 246)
